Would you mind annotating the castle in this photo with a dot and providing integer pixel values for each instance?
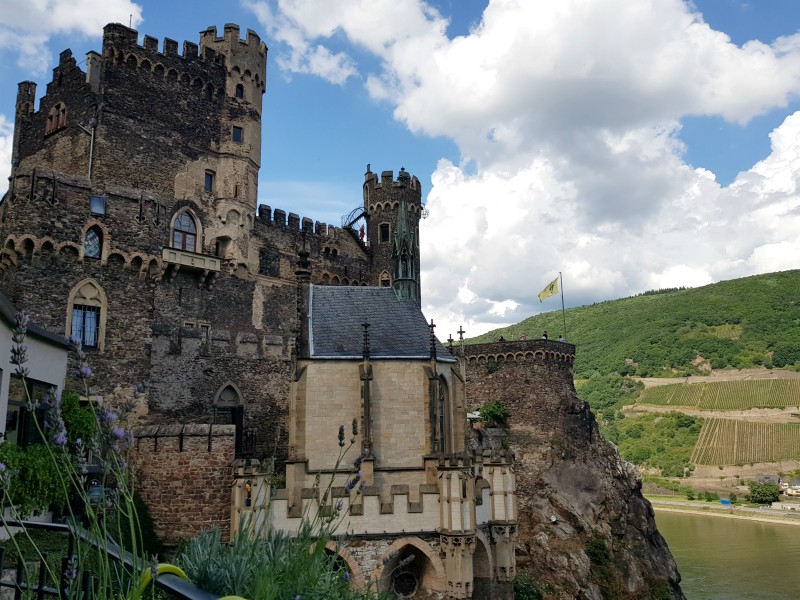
(131, 223)
(245, 332)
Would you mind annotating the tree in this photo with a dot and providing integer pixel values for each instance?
(763, 493)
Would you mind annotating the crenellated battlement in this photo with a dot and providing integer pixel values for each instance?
(119, 38)
(231, 36)
(387, 186)
(293, 222)
(518, 351)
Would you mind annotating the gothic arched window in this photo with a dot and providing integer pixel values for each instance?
(93, 243)
(86, 314)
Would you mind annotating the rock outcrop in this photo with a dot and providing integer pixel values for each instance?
(585, 529)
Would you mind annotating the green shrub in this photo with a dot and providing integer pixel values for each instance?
(494, 413)
(525, 588)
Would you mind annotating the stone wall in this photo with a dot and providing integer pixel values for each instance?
(184, 475)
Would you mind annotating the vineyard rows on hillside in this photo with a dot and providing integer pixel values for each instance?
(734, 442)
(726, 395)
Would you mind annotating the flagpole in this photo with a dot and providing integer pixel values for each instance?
(563, 311)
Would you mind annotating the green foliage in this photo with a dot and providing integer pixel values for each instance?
(610, 391)
(661, 441)
(272, 567)
(597, 551)
(708, 496)
(526, 588)
(494, 413)
(733, 498)
(739, 323)
(79, 420)
(763, 493)
(35, 475)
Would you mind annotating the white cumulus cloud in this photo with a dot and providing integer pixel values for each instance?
(567, 116)
(27, 25)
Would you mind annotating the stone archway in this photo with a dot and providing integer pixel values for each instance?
(411, 567)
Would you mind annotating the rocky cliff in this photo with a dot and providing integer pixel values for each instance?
(586, 531)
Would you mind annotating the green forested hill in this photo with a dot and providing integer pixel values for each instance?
(740, 323)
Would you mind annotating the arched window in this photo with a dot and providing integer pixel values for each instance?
(239, 90)
(184, 233)
(385, 280)
(86, 314)
(93, 242)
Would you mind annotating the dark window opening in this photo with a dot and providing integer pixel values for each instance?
(208, 185)
(239, 91)
(97, 205)
(86, 324)
(238, 134)
(384, 232)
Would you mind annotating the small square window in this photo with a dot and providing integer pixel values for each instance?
(208, 186)
(97, 205)
(237, 134)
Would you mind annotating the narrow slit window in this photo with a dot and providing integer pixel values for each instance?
(92, 243)
(208, 184)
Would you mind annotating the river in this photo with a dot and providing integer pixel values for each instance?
(728, 559)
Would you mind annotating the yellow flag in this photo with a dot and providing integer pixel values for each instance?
(550, 290)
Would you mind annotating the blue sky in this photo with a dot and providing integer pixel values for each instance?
(631, 146)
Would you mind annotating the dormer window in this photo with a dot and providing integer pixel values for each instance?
(184, 233)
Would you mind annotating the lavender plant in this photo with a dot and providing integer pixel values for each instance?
(54, 472)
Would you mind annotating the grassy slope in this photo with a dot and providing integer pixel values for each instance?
(739, 323)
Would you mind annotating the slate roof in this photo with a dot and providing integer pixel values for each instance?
(397, 329)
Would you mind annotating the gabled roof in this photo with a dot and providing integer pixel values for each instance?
(397, 329)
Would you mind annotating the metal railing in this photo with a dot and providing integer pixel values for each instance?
(172, 585)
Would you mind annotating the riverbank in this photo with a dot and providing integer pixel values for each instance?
(763, 515)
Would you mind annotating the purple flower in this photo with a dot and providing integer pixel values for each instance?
(19, 351)
(85, 372)
(346, 577)
(339, 505)
(341, 435)
(60, 439)
(2, 467)
(118, 432)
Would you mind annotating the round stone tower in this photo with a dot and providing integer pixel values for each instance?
(234, 180)
(393, 210)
